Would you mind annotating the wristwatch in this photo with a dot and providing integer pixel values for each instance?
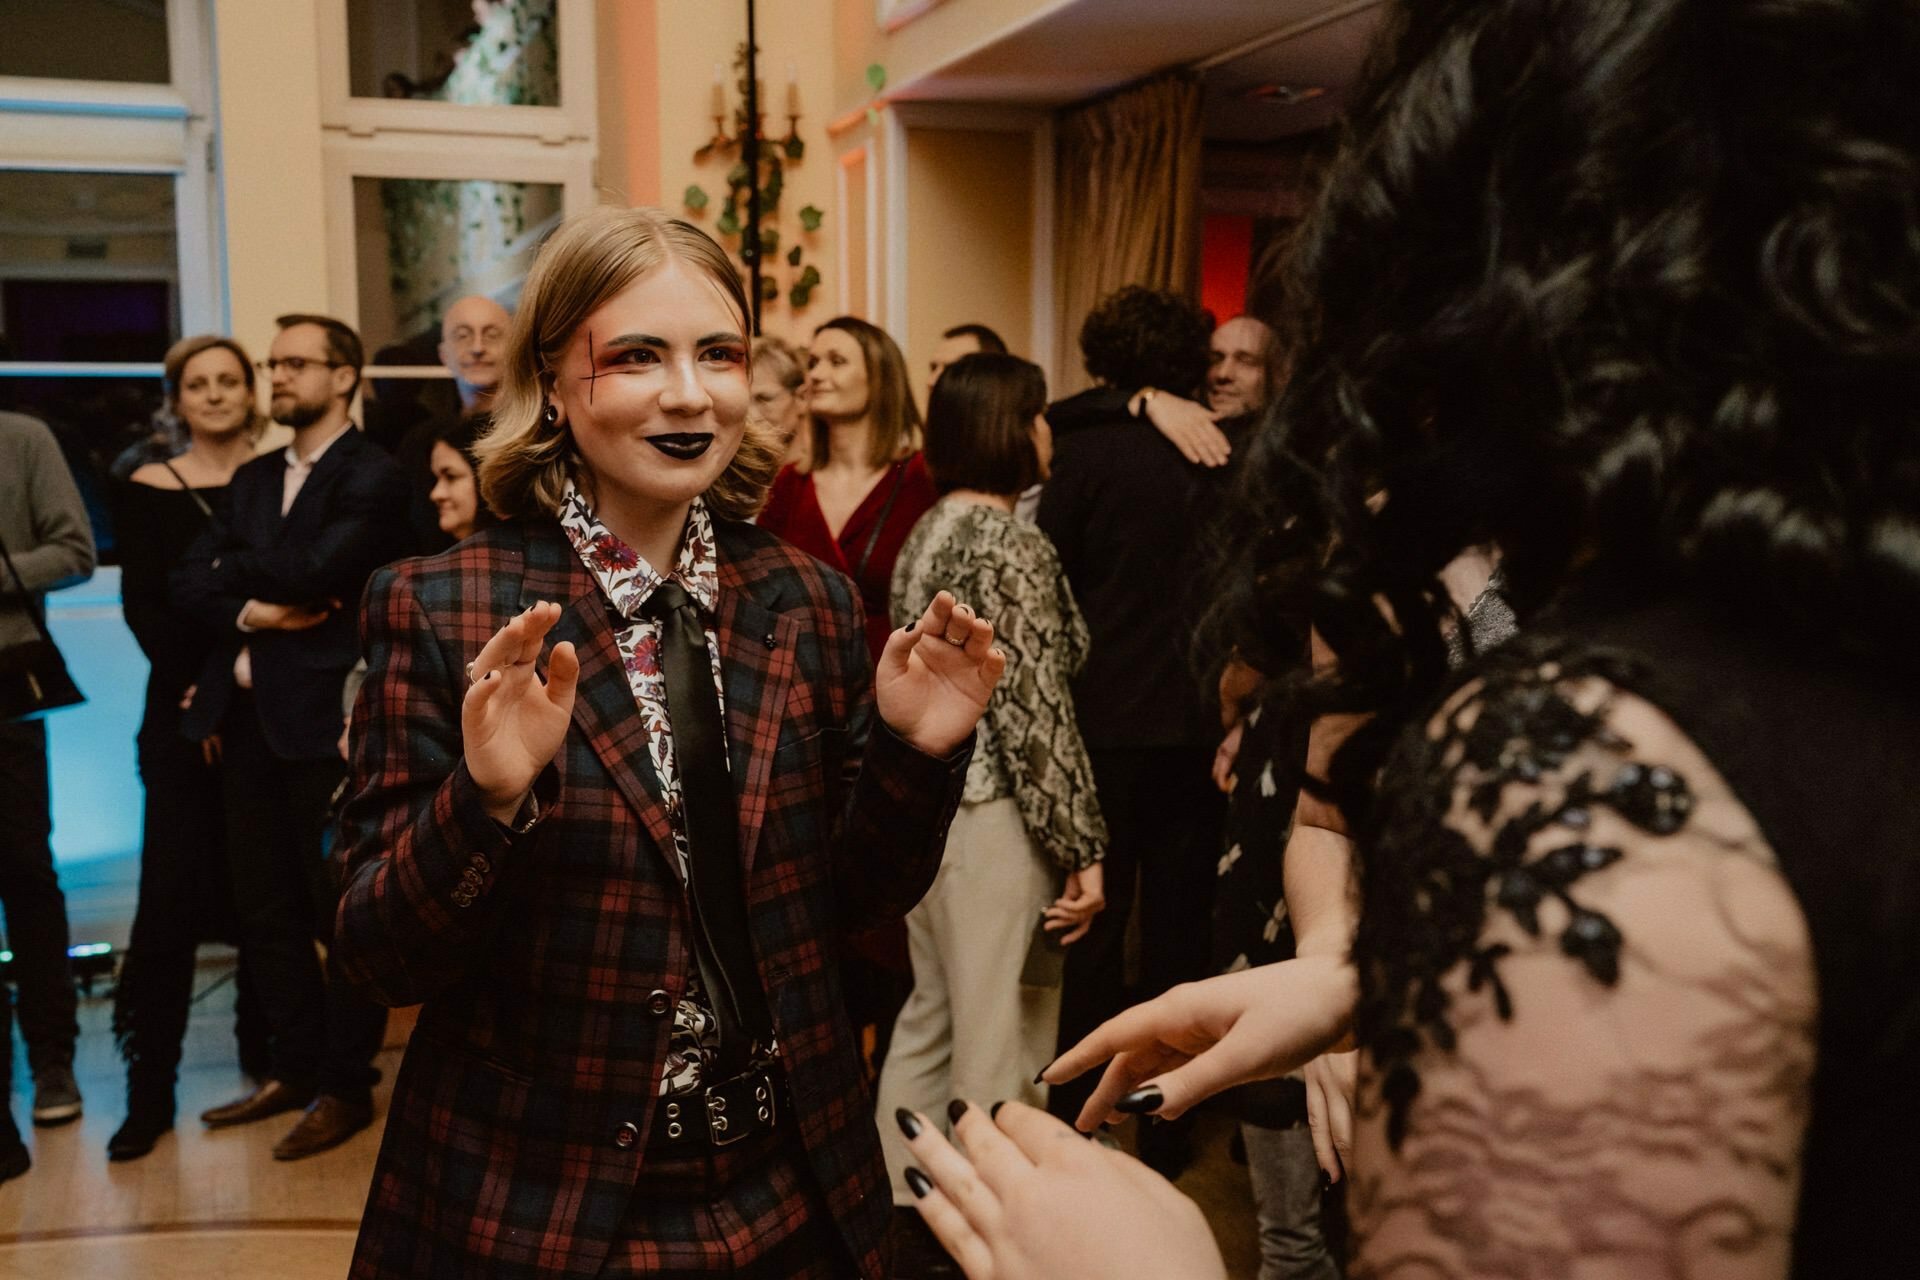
(1137, 407)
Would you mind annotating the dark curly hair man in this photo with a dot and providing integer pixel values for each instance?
(1140, 337)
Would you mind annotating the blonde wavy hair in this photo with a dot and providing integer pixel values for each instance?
(524, 462)
(174, 368)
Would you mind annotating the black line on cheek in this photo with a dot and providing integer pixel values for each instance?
(592, 378)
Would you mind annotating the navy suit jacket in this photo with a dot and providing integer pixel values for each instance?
(349, 518)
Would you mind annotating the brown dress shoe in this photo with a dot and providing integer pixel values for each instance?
(329, 1122)
(270, 1099)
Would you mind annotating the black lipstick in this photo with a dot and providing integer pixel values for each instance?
(684, 445)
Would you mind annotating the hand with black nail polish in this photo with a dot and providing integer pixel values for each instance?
(1020, 1203)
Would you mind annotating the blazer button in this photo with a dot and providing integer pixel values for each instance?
(626, 1135)
(659, 1003)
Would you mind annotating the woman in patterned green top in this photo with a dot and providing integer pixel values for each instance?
(1026, 845)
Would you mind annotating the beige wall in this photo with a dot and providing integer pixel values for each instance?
(626, 42)
(270, 172)
(969, 251)
(693, 36)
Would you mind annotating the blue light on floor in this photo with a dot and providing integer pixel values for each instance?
(96, 780)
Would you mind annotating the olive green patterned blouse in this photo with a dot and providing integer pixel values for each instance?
(1029, 742)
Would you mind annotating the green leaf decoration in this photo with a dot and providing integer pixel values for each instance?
(810, 277)
(810, 218)
(877, 77)
(793, 256)
(737, 176)
(696, 197)
(769, 289)
(729, 222)
(795, 148)
(769, 241)
(770, 189)
(873, 117)
(799, 296)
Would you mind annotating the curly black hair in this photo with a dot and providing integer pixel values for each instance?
(1140, 337)
(1631, 291)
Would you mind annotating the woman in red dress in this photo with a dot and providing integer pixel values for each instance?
(851, 503)
(864, 485)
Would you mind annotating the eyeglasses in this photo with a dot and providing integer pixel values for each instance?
(297, 365)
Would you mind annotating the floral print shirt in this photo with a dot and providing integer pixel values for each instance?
(628, 581)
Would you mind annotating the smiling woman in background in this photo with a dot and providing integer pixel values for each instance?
(456, 488)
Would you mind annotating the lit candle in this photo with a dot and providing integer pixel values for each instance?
(719, 91)
(793, 91)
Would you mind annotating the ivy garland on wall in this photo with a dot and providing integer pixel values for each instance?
(802, 276)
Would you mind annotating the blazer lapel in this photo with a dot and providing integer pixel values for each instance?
(603, 704)
(756, 667)
(337, 458)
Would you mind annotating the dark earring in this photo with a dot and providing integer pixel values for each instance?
(550, 414)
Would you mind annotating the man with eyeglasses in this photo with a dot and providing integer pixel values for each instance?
(473, 347)
(282, 580)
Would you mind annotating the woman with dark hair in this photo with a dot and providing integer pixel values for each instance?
(1634, 976)
(1024, 853)
(456, 490)
(185, 895)
(623, 773)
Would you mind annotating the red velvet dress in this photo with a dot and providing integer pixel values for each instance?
(871, 540)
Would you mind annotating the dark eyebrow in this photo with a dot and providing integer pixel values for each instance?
(633, 340)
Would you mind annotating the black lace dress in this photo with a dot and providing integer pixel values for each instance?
(1640, 962)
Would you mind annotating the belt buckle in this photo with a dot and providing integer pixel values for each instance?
(753, 1094)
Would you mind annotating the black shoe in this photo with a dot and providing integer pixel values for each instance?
(147, 1118)
(270, 1099)
(329, 1122)
(56, 1096)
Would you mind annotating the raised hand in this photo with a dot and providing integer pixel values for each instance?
(1201, 1037)
(934, 678)
(511, 722)
(1033, 1200)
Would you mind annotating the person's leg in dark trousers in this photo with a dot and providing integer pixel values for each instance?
(355, 1025)
(1093, 986)
(178, 831)
(1183, 834)
(36, 910)
(272, 896)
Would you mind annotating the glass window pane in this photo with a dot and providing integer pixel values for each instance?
(89, 266)
(424, 244)
(118, 40)
(498, 53)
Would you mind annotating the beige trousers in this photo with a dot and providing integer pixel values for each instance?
(970, 1030)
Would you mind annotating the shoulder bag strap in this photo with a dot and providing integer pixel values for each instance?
(880, 521)
(189, 490)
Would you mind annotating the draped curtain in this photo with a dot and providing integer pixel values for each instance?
(1126, 204)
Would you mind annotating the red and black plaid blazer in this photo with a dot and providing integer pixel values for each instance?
(548, 964)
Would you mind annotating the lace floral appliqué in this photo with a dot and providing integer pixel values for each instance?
(1430, 888)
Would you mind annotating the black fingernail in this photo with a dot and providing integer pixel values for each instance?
(912, 625)
(918, 1183)
(1040, 1076)
(955, 1110)
(1142, 1101)
(909, 1123)
(993, 1112)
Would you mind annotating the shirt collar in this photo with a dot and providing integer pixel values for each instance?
(623, 576)
(294, 460)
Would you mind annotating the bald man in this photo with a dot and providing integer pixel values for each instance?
(473, 346)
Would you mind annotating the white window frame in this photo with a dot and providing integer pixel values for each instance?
(393, 138)
(98, 126)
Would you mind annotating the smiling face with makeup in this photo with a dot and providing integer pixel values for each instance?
(653, 388)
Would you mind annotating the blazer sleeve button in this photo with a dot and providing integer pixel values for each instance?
(626, 1135)
(659, 1003)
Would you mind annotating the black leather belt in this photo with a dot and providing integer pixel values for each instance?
(721, 1114)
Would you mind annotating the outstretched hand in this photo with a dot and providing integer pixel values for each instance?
(1033, 1200)
(935, 676)
(1202, 1037)
(511, 722)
